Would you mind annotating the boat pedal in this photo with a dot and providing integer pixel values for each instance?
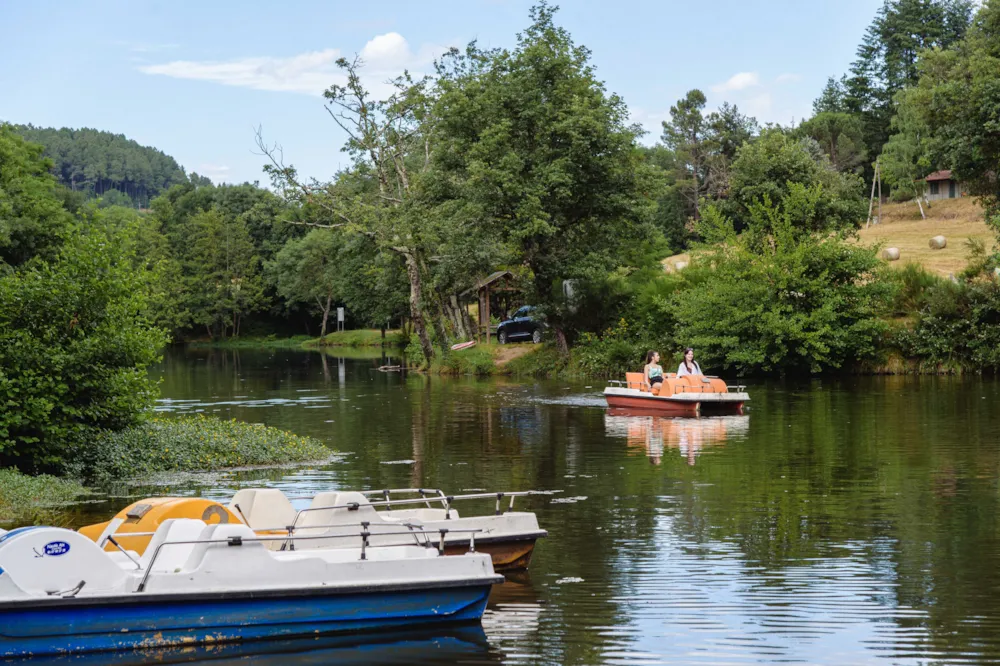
(68, 594)
(234, 541)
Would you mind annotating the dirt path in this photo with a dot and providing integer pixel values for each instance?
(508, 353)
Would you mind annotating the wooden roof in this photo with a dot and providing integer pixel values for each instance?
(939, 175)
(488, 280)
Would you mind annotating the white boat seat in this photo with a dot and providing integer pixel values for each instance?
(219, 557)
(80, 560)
(171, 558)
(263, 507)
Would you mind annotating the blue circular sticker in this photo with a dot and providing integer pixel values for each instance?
(56, 548)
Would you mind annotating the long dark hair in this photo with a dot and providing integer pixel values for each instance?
(685, 360)
(649, 357)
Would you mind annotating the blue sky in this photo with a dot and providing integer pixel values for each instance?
(194, 78)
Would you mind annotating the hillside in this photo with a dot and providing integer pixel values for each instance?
(100, 164)
(955, 219)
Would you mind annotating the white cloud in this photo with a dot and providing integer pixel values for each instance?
(740, 81)
(310, 73)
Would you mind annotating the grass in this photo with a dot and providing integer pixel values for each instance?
(361, 337)
(486, 360)
(955, 219)
(28, 500)
(195, 444)
(266, 342)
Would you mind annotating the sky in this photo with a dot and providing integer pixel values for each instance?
(194, 79)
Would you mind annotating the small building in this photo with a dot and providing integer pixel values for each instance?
(941, 185)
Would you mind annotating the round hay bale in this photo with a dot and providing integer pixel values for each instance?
(680, 265)
(938, 243)
(891, 254)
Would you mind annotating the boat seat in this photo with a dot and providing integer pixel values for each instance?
(172, 558)
(263, 507)
(218, 556)
(78, 560)
(636, 380)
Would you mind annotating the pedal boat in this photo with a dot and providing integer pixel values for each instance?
(60, 593)
(690, 395)
(508, 536)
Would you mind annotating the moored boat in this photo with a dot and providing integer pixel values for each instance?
(690, 395)
(508, 536)
(197, 583)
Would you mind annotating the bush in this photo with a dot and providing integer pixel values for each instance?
(193, 444)
(34, 499)
(618, 350)
(779, 297)
(959, 327)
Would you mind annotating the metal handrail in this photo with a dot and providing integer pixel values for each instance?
(239, 541)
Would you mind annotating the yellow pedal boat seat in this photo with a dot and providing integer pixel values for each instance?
(147, 514)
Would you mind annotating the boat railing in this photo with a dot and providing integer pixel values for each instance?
(240, 540)
(446, 501)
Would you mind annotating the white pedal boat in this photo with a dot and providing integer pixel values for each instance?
(197, 583)
(508, 536)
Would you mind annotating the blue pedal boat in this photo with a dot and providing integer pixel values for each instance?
(199, 584)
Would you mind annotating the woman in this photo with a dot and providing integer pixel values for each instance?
(653, 371)
(688, 366)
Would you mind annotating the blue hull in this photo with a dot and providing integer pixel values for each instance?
(65, 626)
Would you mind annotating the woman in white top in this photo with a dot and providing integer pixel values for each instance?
(688, 366)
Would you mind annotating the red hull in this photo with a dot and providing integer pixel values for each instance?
(661, 406)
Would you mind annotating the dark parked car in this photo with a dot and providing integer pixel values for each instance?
(522, 326)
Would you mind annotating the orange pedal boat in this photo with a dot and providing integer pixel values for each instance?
(690, 395)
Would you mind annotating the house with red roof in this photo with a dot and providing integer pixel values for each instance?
(942, 185)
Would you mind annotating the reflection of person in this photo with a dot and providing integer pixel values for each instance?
(688, 366)
(653, 371)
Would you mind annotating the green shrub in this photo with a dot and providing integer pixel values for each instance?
(193, 444)
(34, 499)
(959, 327)
(912, 286)
(779, 297)
(618, 350)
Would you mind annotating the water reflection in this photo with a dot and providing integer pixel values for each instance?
(651, 433)
(458, 645)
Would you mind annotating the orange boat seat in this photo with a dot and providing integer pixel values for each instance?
(636, 380)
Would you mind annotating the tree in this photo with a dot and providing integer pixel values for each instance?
(687, 135)
(32, 219)
(842, 137)
(906, 160)
(958, 98)
(307, 270)
(766, 169)
(779, 296)
(832, 98)
(75, 337)
(390, 148)
(530, 148)
(223, 269)
(888, 55)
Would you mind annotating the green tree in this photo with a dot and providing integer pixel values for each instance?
(32, 219)
(308, 270)
(766, 169)
(75, 337)
(223, 273)
(841, 137)
(958, 98)
(907, 159)
(833, 97)
(687, 134)
(779, 297)
(529, 142)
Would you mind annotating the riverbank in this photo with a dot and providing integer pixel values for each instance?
(28, 499)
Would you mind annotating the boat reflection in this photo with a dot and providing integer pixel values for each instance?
(513, 611)
(463, 644)
(647, 431)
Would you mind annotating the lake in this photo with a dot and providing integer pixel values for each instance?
(844, 521)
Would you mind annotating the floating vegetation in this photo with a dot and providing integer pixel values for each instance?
(34, 499)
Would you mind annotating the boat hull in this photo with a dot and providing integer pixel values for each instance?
(61, 626)
(680, 404)
(508, 553)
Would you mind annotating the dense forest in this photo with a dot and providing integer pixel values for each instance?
(520, 159)
(106, 165)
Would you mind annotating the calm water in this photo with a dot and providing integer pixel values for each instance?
(838, 522)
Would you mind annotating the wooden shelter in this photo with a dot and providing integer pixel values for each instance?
(500, 282)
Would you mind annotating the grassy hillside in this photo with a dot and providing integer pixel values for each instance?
(955, 219)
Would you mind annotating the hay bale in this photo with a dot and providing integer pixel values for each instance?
(938, 243)
(891, 254)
